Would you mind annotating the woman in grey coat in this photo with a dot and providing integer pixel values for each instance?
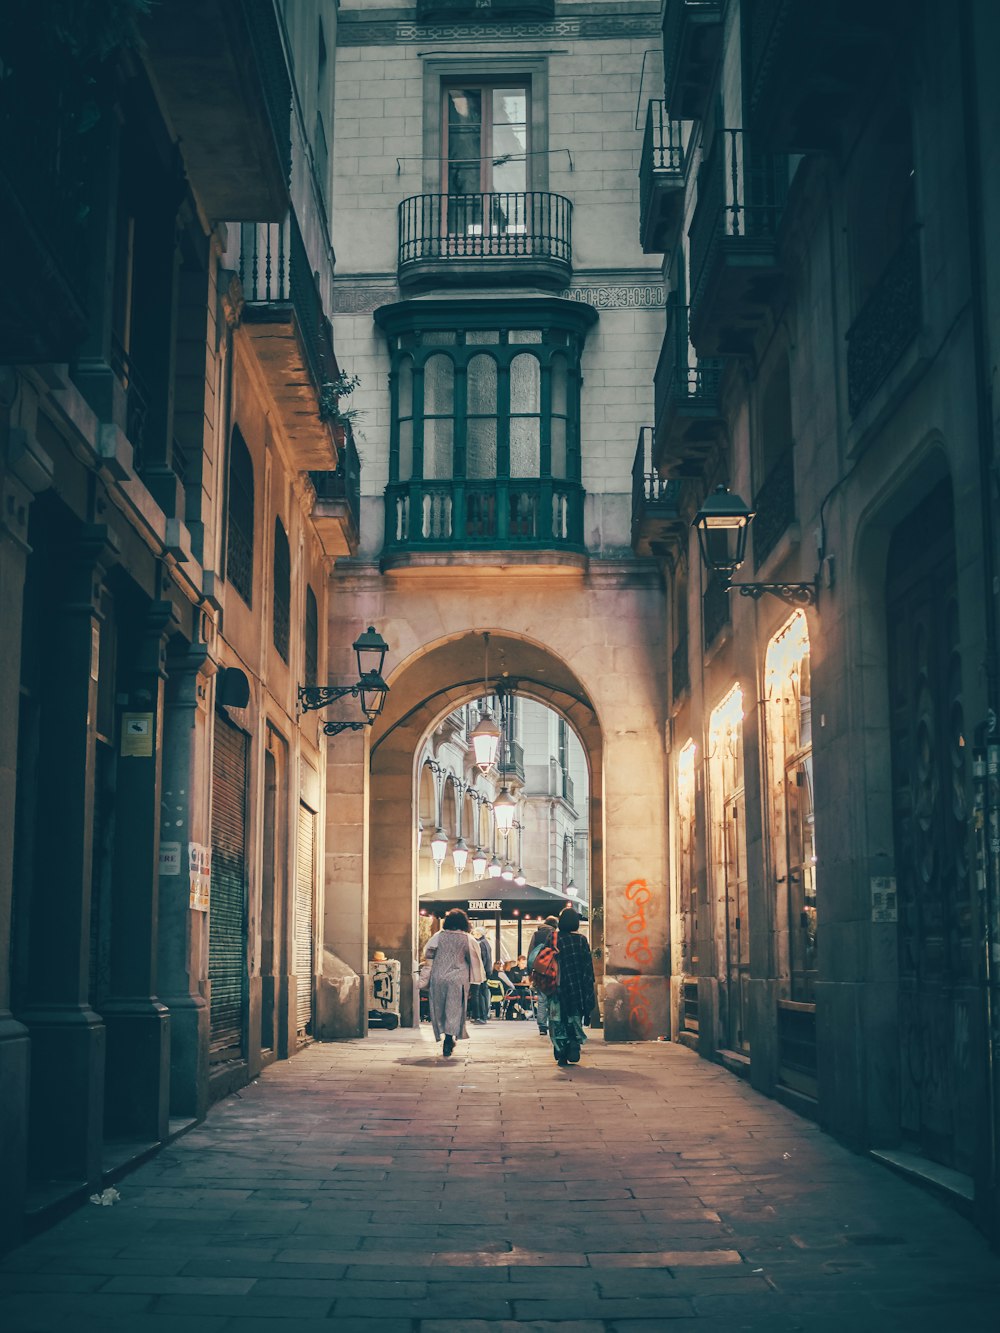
(450, 951)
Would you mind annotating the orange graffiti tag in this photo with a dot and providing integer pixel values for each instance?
(638, 1011)
(637, 949)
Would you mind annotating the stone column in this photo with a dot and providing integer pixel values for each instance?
(17, 489)
(182, 941)
(138, 1034)
(67, 1037)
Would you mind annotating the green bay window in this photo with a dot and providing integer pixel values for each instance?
(484, 445)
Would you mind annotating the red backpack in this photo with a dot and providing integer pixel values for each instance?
(545, 971)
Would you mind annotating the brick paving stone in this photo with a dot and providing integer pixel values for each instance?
(368, 1187)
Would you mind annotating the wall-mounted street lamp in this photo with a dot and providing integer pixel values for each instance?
(460, 855)
(478, 863)
(439, 846)
(370, 649)
(722, 523)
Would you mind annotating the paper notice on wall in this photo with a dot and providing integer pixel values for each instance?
(884, 898)
(170, 858)
(200, 876)
(137, 735)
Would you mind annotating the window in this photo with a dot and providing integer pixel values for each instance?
(239, 534)
(311, 639)
(485, 138)
(282, 590)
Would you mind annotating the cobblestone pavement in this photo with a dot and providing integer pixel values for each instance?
(374, 1187)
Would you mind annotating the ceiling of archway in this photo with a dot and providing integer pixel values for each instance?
(451, 673)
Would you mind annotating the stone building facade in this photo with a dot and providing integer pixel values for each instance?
(819, 185)
(172, 499)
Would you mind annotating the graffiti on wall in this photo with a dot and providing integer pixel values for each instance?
(637, 950)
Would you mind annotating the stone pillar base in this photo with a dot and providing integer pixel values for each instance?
(189, 1032)
(66, 1129)
(137, 1082)
(340, 1001)
(636, 1008)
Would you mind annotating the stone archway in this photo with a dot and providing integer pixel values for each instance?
(419, 701)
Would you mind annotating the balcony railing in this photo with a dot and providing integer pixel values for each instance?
(714, 610)
(445, 236)
(514, 514)
(654, 499)
(686, 393)
(741, 199)
(661, 178)
(692, 37)
(774, 507)
(342, 486)
(514, 764)
(274, 271)
(888, 323)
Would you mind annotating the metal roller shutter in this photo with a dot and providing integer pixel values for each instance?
(227, 949)
(305, 875)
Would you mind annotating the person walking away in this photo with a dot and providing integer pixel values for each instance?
(543, 935)
(573, 1001)
(455, 963)
(481, 991)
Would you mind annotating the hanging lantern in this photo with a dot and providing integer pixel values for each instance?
(520, 879)
(478, 863)
(460, 855)
(485, 738)
(439, 846)
(493, 868)
(504, 809)
(507, 872)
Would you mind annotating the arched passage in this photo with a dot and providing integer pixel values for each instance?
(434, 682)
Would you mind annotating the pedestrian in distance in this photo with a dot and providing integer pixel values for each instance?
(543, 935)
(481, 991)
(573, 1000)
(456, 964)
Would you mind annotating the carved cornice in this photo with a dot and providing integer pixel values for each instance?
(625, 294)
(586, 27)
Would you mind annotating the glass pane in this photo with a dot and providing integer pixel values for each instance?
(524, 336)
(482, 382)
(482, 336)
(405, 450)
(481, 448)
(510, 139)
(525, 384)
(558, 385)
(524, 449)
(438, 338)
(438, 438)
(558, 447)
(465, 137)
(404, 395)
(439, 386)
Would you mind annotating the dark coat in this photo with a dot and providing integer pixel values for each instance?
(487, 954)
(576, 975)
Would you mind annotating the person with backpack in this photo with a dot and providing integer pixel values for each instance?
(543, 935)
(573, 1000)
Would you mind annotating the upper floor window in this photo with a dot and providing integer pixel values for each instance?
(485, 404)
(239, 532)
(282, 590)
(311, 639)
(485, 138)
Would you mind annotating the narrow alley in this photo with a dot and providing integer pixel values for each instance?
(373, 1187)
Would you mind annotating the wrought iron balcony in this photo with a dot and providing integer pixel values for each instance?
(284, 316)
(337, 510)
(516, 514)
(692, 40)
(810, 63)
(687, 397)
(514, 762)
(517, 236)
(888, 323)
(484, 11)
(735, 270)
(774, 507)
(656, 518)
(661, 180)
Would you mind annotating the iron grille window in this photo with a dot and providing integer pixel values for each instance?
(239, 534)
(282, 589)
(311, 638)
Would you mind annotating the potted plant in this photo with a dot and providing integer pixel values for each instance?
(330, 409)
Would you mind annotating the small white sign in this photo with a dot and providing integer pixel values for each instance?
(884, 898)
(170, 858)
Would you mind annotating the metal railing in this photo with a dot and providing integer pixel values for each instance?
(650, 491)
(662, 159)
(344, 485)
(274, 270)
(469, 515)
(774, 507)
(476, 11)
(677, 15)
(511, 225)
(887, 324)
(681, 379)
(265, 38)
(741, 197)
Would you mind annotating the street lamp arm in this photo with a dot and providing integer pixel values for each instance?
(796, 594)
(319, 696)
